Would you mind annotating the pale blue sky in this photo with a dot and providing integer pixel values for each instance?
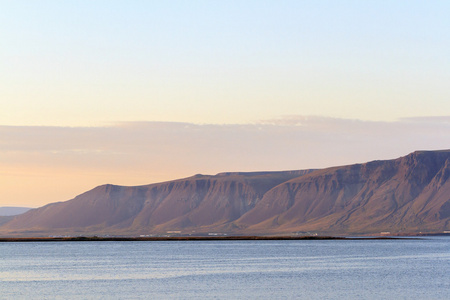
(94, 62)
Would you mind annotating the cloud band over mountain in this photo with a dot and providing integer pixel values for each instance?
(132, 153)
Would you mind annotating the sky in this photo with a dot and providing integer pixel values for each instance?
(136, 92)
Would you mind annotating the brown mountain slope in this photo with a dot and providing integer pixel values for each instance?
(186, 203)
(5, 219)
(407, 194)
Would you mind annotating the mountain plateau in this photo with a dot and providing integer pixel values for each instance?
(407, 195)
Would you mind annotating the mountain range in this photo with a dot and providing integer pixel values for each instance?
(407, 195)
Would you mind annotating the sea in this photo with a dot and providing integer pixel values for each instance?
(403, 268)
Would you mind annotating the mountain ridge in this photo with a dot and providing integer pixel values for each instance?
(377, 190)
(410, 194)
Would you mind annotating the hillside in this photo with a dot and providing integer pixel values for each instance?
(195, 202)
(12, 211)
(410, 194)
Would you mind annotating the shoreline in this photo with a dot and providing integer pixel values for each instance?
(193, 238)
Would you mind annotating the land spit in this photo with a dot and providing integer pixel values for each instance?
(188, 238)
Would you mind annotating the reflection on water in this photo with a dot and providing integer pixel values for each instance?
(363, 269)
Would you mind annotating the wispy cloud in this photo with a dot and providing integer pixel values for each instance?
(144, 152)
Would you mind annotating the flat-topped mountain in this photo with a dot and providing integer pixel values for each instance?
(410, 194)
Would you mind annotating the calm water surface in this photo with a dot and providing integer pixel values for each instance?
(358, 269)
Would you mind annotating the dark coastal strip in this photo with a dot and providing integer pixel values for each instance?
(184, 238)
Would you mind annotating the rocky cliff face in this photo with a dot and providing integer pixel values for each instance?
(186, 203)
(409, 194)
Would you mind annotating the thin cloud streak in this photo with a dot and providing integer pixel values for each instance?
(133, 153)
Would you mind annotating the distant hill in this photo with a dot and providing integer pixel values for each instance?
(410, 194)
(12, 211)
